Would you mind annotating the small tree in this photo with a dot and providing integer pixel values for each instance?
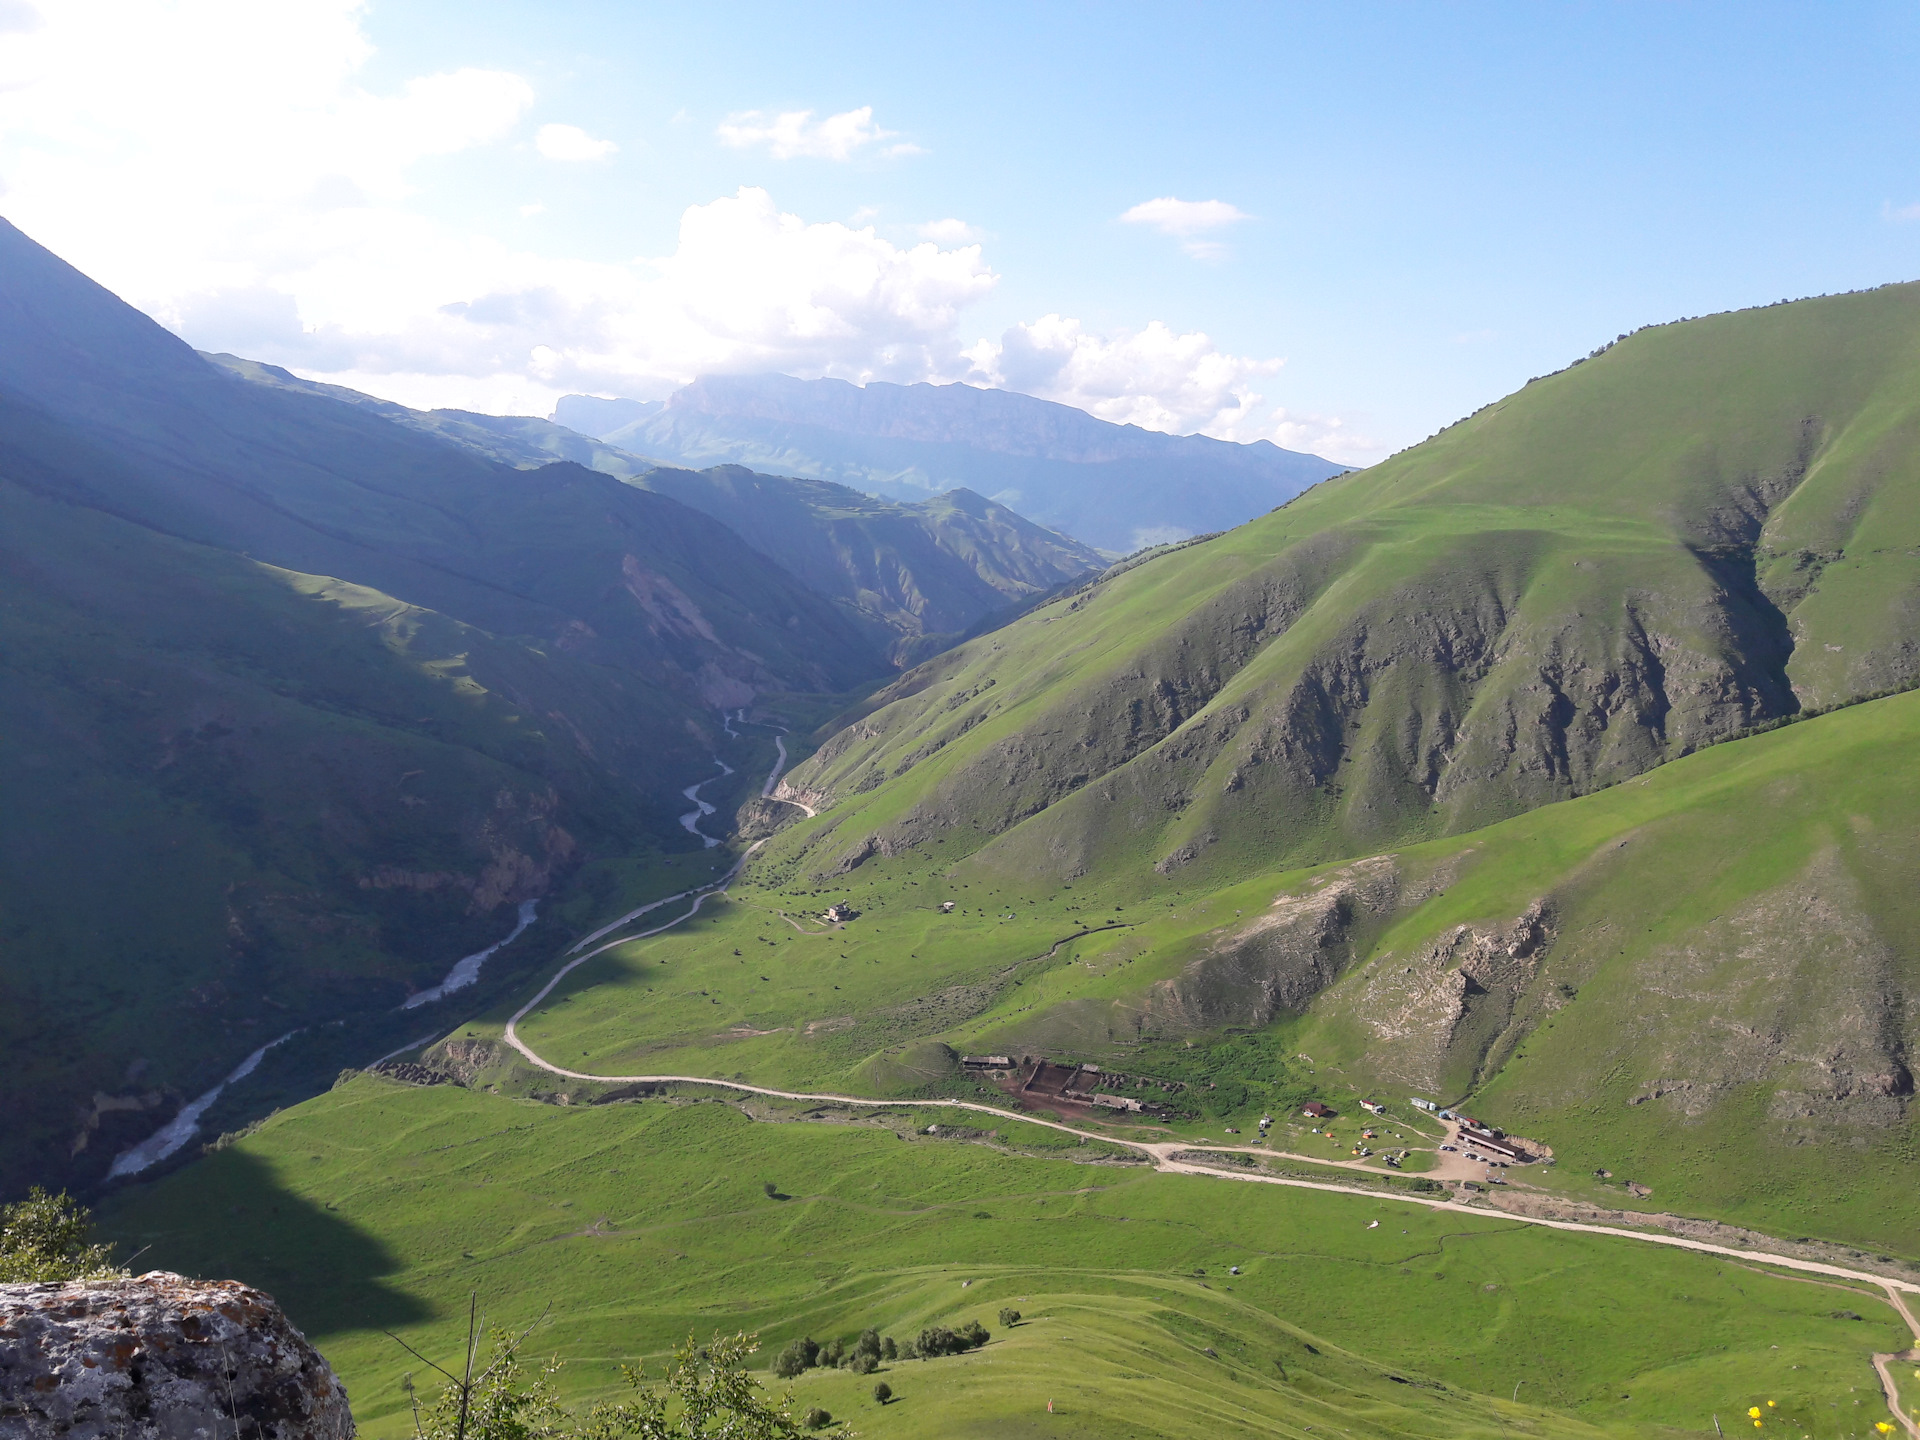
(889, 1350)
(832, 1353)
(793, 1359)
(861, 1363)
(496, 1401)
(1009, 1317)
(883, 1392)
(818, 1419)
(868, 1343)
(715, 1397)
(49, 1237)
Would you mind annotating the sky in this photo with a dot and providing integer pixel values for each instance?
(1338, 227)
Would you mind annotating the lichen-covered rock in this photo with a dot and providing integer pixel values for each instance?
(160, 1357)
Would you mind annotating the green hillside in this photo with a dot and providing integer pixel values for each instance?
(382, 1207)
(1710, 524)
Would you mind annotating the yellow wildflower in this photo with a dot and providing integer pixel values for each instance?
(1753, 1412)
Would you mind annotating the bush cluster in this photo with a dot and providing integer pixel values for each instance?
(870, 1348)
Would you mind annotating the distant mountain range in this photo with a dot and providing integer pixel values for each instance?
(914, 576)
(1116, 487)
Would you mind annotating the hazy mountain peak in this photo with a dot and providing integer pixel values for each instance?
(1118, 487)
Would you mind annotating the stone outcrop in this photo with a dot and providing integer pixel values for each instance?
(160, 1357)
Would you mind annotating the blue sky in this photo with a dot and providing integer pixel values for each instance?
(1437, 201)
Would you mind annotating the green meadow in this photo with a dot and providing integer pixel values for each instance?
(382, 1207)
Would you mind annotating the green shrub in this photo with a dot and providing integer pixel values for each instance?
(817, 1418)
(792, 1360)
(49, 1237)
(939, 1340)
(708, 1389)
(1009, 1317)
(883, 1392)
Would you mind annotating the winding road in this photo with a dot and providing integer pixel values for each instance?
(1166, 1155)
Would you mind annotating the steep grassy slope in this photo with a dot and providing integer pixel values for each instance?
(1710, 524)
(923, 573)
(1114, 486)
(380, 1206)
(301, 704)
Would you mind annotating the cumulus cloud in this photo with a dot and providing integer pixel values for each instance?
(1900, 214)
(1188, 221)
(948, 232)
(297, 237)
(570, 142)
(795, 133)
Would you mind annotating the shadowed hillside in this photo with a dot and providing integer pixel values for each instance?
(299, 704)
(914, 576)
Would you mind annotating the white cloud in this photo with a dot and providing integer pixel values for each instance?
(570, 142)
(299, 238)
(1184, 217)
(1187, 220)
(948, 232)
(795, 133)
(1899, 214)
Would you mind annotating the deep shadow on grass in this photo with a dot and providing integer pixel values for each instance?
(327, 1272)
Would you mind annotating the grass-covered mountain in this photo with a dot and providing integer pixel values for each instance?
(915, 575)
(298, 703)
(1710, 525)
(1117, 487)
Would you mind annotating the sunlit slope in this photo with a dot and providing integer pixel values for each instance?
(380, 1207)
(1711, 523)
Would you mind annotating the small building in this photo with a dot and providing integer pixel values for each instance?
(987, 1062)
(1313, 1109)
(839, 914)
(1420, 1104)
(1504, 1148)
(1115, 1102)
(1373, 1108)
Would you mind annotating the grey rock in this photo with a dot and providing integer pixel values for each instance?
(160, 1357)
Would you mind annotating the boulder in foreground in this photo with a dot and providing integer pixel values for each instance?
(160, 1357)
